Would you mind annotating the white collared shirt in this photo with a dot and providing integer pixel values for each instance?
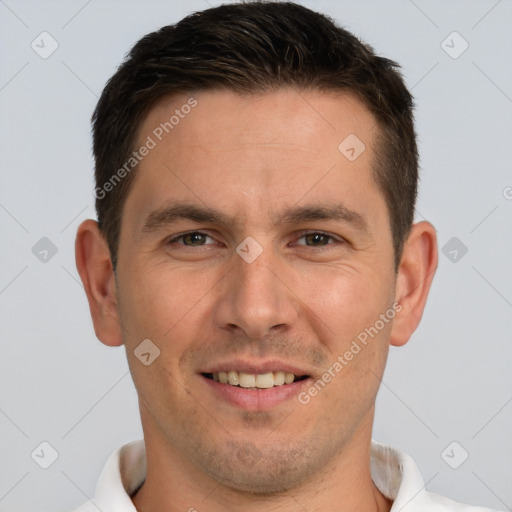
(394, 473)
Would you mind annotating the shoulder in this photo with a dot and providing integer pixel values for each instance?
(397, 476)
(122, 474)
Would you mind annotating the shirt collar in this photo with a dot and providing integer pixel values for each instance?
(122, 475)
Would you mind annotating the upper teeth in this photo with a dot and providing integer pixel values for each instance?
(251, 380)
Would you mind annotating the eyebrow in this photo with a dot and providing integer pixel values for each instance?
(176, 211)
(294, 215)
(335, 212)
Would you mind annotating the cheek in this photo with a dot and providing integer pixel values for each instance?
(166, 306)
(350, 304)
(346, 300)
(357, 365)
(159, 301)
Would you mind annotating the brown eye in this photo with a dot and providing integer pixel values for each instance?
(316, 239)
(192, 239)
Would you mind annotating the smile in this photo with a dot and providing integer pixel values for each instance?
(254, 380)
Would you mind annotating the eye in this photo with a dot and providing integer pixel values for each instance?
(192, 239)
(316, 239)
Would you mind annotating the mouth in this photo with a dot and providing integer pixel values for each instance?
(255, 381)
(255, 386)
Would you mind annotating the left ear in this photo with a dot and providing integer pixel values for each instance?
(415, 273)
(94, 265)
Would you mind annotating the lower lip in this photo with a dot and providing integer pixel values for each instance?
(256, 400)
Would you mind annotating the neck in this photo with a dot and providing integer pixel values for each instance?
(173, 483)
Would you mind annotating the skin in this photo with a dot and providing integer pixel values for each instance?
(302, 301)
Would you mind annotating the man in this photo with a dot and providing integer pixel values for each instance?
(255, 252)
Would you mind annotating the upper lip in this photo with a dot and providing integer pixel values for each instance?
(257, 367)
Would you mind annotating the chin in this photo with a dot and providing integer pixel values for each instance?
(269, 471)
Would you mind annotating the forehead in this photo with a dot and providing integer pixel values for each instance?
(305, 120)
(257, 151)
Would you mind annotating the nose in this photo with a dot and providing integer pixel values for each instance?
(255, 300)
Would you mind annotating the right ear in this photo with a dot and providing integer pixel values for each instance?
(94, 265)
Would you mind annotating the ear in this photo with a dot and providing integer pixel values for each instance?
(95, 268)
(415, 273)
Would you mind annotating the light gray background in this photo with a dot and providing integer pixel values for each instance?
(58, 384)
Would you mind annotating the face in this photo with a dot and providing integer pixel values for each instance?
(251, 244)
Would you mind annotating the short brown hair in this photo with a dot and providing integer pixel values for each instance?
(250, 48)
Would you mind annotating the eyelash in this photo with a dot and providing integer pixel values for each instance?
(302, 234)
